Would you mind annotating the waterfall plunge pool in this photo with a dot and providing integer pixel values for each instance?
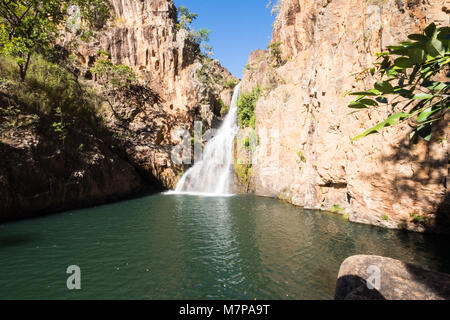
(192, 247)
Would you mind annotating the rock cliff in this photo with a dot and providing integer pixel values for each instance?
(187, 86)
(130, 150)
(305, 154)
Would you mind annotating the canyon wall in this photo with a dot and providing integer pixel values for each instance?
(305, 155)
(130, 149)
(188, 86)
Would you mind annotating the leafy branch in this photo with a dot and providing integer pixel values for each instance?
(201, 36)
(413, 81)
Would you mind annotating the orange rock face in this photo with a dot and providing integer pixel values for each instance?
(189, 87)
(129, 150)
(305, 153)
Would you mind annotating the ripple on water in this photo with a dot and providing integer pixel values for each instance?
(194, 247)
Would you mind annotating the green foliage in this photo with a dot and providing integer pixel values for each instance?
(223, 108)
(301, 156)
(49, 90)
(94, 13)
(194, 140)
(185, 18)
(275, 53)
(230, 83)
(33, 26)
(251, 140)
(58, 126)
(385, 217)
(411, 82)
(337, 209)
(111, 75)
(248, 67)
(201, 37)
(416, 218)
(246, 108)
(243, 172)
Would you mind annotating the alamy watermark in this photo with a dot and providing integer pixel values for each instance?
(264, 143)
(374, 279)
(74, 280)
(74, 21)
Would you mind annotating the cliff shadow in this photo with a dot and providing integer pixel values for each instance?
(430, 172)
(353, 287)
(426, 187)
(17, 239)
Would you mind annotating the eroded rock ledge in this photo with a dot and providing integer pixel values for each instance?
(397, 280)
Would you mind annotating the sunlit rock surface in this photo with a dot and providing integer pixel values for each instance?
(177, 86)
(379, 278)
(187, 87)
(309, 159)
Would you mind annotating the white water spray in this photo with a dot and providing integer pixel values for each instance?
(213, 175)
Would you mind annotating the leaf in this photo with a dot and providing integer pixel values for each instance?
(435, 48)
(437, 86)
(444, 34)
(393, 119)
(357, 105)
(428, 74)
(385, 63)
(430, 31)
(424, 131)
(418, 37)
(417, 55)
(368, 102)
(425, 70)
(381, 54)
(395, 47)
(403, 62)
(413, 74)
(390, 121)
(382, 100)
(399, 50)
(404, 93)
(426, 114)
(422, 96)
(372, 92)
(384, 86)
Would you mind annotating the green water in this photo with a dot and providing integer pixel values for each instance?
(188, 247)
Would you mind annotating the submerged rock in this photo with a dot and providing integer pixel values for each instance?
(364, 277)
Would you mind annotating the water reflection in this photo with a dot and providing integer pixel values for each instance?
(191, 247)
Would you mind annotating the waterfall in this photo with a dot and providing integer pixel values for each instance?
(213, 175)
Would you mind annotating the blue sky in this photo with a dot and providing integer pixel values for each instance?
(237, 28)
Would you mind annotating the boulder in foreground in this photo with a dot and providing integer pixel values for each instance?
(365, 277)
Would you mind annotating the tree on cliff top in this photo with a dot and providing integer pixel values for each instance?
(33, 26)
(413, 80)
(201, 37)
(274, 6)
